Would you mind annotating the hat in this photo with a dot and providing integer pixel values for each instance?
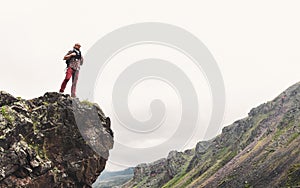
(77, 44)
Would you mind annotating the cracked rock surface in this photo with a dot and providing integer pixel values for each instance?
(52, 141)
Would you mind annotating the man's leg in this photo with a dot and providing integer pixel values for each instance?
(74, 82)
(67, 78)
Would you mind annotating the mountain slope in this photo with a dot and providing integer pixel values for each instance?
(261, 150)
(43, 141)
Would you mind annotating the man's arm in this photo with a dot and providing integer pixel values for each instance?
(69, 55)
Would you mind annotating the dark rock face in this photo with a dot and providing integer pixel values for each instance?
(261, 150)
(52, 141)
(159, 172)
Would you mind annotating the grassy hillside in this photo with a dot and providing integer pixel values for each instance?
(261, 150)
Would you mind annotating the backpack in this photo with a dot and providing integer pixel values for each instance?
(78, 56)
(68, 62)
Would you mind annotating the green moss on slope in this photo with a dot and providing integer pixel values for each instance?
(293, 176)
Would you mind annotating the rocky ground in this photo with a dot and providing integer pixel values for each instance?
(261, 150)
(52, 141)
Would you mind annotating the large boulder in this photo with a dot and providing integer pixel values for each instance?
(52, 141)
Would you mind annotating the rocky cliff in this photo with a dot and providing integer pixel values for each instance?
(52, 141)
(159, 172)
(261, 150)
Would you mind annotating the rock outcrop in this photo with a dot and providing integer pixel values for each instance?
(160, 172)
(261, 150)
(52, 141)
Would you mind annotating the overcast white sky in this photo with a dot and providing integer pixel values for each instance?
(255, 43)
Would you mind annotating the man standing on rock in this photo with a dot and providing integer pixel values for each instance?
(73, 60)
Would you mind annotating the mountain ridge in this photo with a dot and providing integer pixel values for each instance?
(259, 150)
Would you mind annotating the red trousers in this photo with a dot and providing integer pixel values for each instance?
(70, 73)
